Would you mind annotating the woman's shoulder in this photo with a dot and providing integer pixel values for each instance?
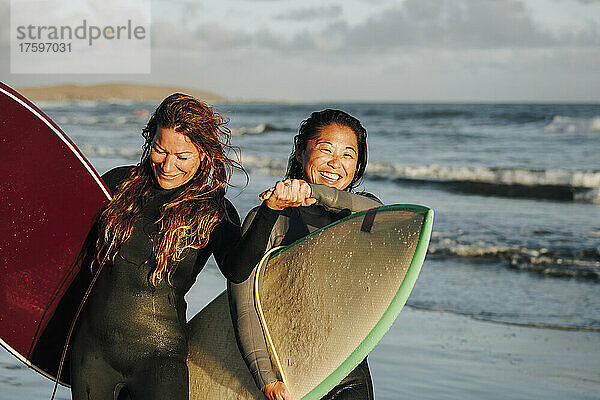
(116, 176)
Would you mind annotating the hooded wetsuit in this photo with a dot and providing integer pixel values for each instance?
(131, 339)
(288, 226)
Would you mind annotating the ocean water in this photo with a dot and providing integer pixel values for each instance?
(515, 189)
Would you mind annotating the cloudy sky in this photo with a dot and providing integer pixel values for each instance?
(365, 50)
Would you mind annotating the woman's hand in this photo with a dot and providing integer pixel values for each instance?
(276, 390)
(288, 193)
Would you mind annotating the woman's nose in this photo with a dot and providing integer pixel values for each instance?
(334, 161)
(168, 163)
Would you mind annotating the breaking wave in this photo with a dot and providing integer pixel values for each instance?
(260, 128)
(264, 166)
(559, 263)
(550, 184)
(508, 176)
(137, 118)
(562, 124)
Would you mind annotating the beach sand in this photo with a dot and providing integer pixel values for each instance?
(437, 355)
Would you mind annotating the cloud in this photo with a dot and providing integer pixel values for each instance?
(312, 13)
(406, 26)
(466, 24)
(215, 35)
(410, 50)
(170, 35)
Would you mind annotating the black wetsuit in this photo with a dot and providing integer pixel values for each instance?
(284, 228)
(131, 340)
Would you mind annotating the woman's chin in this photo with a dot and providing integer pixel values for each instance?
(169, 183)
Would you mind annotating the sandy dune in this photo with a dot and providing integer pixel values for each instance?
(107, 91)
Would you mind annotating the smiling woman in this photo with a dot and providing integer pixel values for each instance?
(168, 214)
(328, 160)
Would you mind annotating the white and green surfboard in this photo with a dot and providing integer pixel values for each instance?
(327, 300)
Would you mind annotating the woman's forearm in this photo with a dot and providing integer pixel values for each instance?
(336, 199)
(238, 261)
(248, 331)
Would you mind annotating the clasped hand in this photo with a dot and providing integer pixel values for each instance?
(288, 193)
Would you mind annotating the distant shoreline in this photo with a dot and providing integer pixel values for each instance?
(112, 91)
(140, 92)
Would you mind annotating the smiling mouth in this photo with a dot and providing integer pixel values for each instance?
(330, 176)
(167, 177)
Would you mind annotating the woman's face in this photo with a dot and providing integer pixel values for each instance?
(174, 157)
(331, 157)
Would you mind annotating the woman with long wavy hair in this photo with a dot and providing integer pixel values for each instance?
(168, 214)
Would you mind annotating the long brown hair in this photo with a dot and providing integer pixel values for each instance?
(187, 221)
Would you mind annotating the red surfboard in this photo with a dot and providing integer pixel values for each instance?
(50, 195)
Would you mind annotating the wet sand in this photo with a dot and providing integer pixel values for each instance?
(435, 355)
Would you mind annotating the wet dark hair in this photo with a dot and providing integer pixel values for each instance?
(311, 127)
